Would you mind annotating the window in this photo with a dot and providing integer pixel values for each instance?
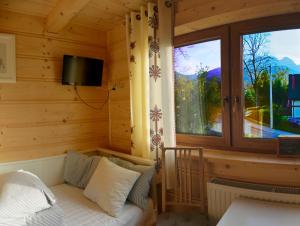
(201, 88)
(198, 88)
(264, 99)
(271, 63)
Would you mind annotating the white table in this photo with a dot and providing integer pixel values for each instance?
(248, 212)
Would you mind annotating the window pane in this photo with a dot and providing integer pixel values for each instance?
(271, 63)
(198, 89)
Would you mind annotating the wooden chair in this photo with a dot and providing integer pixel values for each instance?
(188, 169)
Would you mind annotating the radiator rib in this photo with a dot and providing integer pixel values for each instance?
(221, 192)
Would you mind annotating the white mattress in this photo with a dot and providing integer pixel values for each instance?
(78, 210)
(248, 212)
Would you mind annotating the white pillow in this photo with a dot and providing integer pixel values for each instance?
(110, 185)
(21, 195)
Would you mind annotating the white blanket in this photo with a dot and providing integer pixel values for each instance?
(79, 211)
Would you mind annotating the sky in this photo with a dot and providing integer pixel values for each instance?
(285, 44)
(281, 44)
(208, 53)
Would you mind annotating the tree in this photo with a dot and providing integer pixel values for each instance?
(209, 91)
(256, 59)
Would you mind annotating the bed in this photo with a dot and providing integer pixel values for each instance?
(81, 211)
(76, 208)
(249, 212)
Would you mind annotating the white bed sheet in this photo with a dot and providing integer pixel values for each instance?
(79, 211)
(248, 212)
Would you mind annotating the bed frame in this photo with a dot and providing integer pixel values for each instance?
(50, 169)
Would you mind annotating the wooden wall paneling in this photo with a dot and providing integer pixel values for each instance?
(83, 34)
(52, 48)
(120, 136)
(113, 7)
(33, 69)
(197, 15)
(119, 104)
(31, 7)
(17, 22)
(89, 20)
(123, 86)
(39, 116)
(36, 92)
(105, 10)
(119, 110)
(44, 150)
(187, 10)
(106, 14)
(119, 54)
(114, 71)
(129, 5)
(28, 135)
(12, 22)
(62, 14)
(103, 15)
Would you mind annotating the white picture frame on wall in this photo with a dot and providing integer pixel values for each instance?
(7, 58)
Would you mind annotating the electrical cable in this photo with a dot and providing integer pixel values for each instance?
(87, 104)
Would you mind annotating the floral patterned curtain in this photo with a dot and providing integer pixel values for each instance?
(150, 53)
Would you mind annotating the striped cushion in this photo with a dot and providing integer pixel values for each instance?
(79, 168)
(140, 192)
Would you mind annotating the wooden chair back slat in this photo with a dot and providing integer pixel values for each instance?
(176, 177)
(188, 173)
(201, 173)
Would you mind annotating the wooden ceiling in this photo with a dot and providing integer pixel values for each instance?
(101, 15)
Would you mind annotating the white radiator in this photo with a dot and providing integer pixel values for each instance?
(220, 194)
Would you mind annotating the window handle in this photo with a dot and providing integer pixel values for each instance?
(225, 100)
(236, 101)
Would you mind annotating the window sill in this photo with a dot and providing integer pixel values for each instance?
(221, 155)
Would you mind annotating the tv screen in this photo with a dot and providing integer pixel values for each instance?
(82, 71)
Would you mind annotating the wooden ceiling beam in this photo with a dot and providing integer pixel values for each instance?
(63, 13)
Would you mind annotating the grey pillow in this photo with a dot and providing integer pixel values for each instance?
(140, 192)
(79, 168)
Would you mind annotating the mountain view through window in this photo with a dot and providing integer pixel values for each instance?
(198, 89)
(271, 62)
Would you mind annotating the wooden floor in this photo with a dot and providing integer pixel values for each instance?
(182, 219)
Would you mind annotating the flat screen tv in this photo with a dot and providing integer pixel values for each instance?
(82, 71)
